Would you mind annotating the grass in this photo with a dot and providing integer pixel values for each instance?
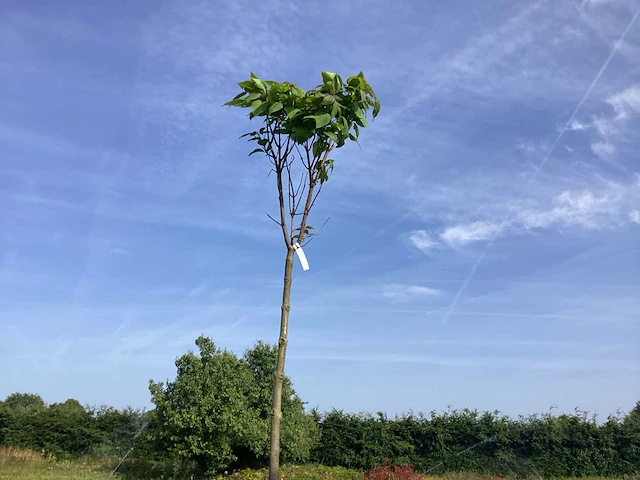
(318, 472)
(20, 464)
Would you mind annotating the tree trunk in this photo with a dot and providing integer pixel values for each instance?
(276, 406)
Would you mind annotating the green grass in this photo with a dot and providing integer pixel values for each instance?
(44, 469)
(18, 464)
(48, 470)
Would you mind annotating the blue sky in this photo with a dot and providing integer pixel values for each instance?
(483, 244)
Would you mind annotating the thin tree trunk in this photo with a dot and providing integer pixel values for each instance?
(276, 406)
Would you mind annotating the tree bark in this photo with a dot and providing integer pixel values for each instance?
(276, 406)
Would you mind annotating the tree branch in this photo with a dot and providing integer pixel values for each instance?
(315, 234)
(274, 220)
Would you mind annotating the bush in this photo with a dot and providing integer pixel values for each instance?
(296, 472)
(387, 471)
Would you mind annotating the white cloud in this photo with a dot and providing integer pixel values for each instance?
(575, 125)
(603, 149)
(625, 101)
(571, 208)
(422, 240)
(611, 125)
(397, 292)
(472, 232)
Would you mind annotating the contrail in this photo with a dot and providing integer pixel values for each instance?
(243, 318)
(466, 281)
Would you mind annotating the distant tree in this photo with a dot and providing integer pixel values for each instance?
(62, 429)
(216, 411)
(300, 432)
(299, 131)
(24, 400)
(67, 428)
(119, 430)
(70, 406)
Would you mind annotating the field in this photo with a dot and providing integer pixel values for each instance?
(18, 464)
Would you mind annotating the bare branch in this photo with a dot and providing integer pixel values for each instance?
(303, 179)
(283, 222)
(291, 198)
(313, 202)
(314, 175)
(274, 220)
(325, 222)
(279, 162)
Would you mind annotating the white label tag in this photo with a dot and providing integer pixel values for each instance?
(301, 256)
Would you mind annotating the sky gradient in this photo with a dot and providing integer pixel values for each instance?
(482, 249)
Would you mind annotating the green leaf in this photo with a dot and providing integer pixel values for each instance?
(327, 77)
(238, 102)
(301, 134)
(329, 99)
(253, 96)
(256, 151)
(254, 105)
(276, 107)
(331, 135)
(293, 112)
(260, 109)
(317, 148)
(376, 108)
(322, 119)
(343, 127)
(249, 86)
(337, 83)
(259, 83)
(335, 109)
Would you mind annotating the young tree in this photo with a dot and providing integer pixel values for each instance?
(299, 131)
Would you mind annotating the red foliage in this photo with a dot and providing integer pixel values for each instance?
(387, 471)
